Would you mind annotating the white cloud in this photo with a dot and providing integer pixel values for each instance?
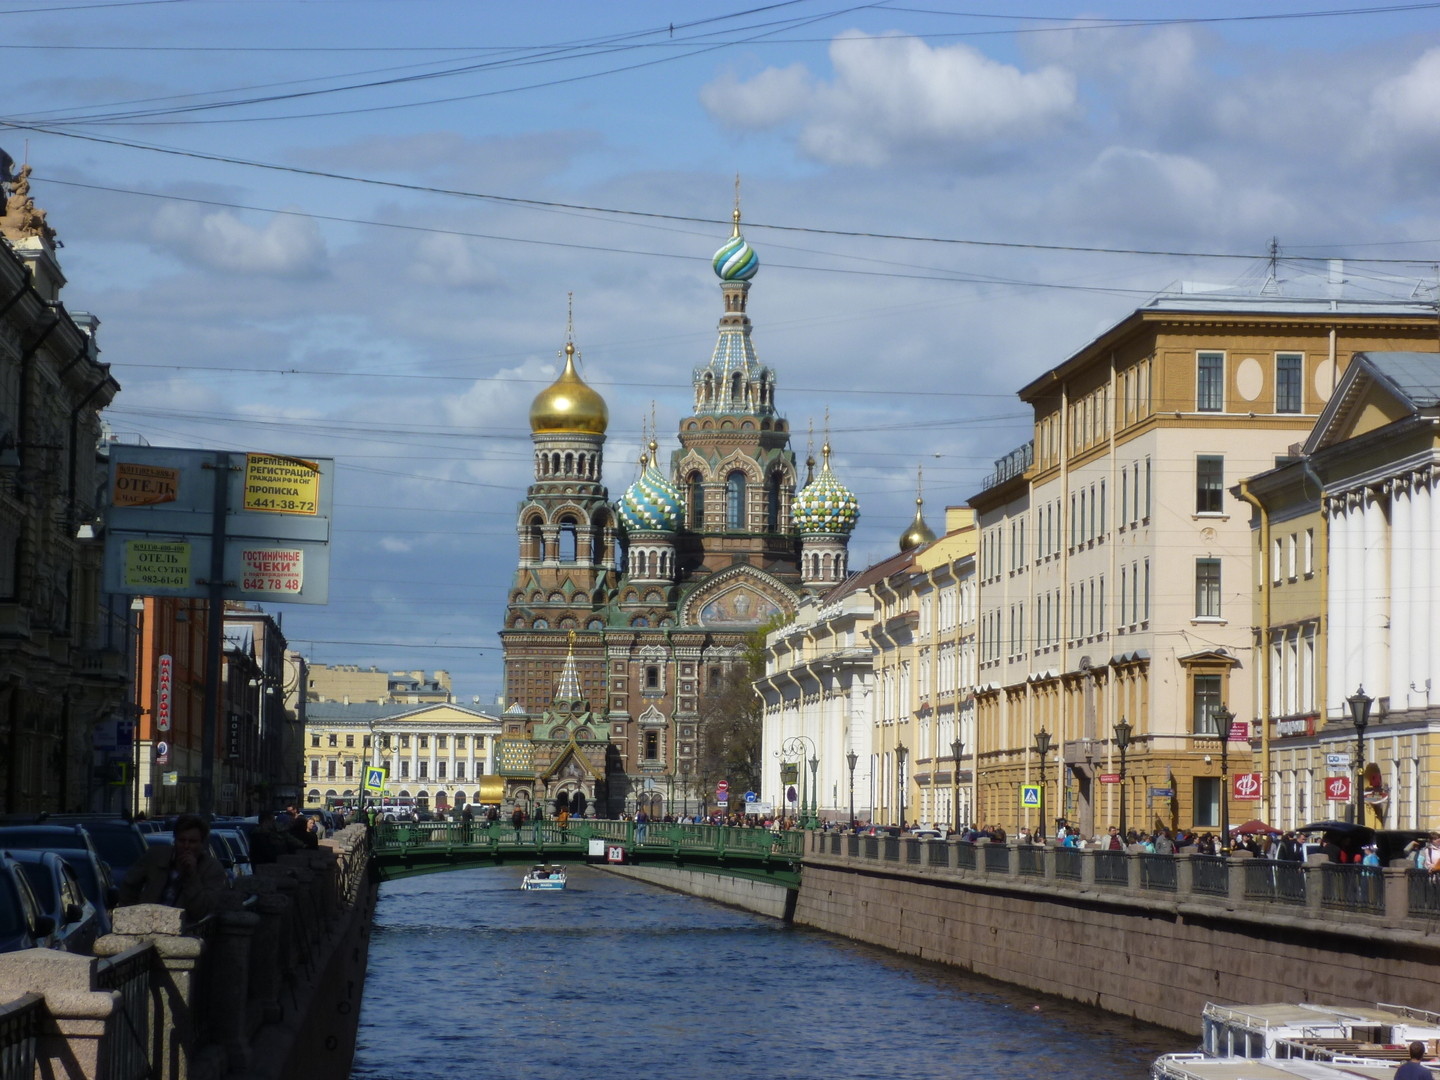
(453, 262)
(1410, 102)
(396, 545)
(286, 246)
(891, 94)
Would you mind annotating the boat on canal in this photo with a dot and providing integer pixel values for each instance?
(544, 877)
(1203, 1067)
(1306, 1030)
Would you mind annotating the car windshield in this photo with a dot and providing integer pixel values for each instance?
(118, 847)
(42, 884)
(12, 916)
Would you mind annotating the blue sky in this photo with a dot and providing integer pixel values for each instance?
(399, 313)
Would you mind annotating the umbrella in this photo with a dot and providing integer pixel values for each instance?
(1254, 825)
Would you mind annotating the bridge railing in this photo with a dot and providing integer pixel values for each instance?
(549, 836)
(1317, 889)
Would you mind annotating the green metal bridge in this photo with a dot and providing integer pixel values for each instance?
(407, 849)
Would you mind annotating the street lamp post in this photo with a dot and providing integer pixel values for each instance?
(685, 788)
(1360, 712)
(1122, 742)
(850, 759)
(1042, 747)
(1222, 717)
(900, 752)
(955, 749)
(814, 793)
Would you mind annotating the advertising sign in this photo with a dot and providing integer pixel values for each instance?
(1109, 778)
(1245, 786)
(1338, 789)
(1239, 732)
(157, 564)
(143, 485)
(281, 485)
(164, 676)
(162, 753)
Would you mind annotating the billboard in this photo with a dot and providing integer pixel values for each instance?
(165, 517)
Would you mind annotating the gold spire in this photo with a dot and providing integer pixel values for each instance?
(569, 404)
(918, 533)
(736, 215)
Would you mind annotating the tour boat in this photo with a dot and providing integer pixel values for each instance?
(1204, 1067)
(544, 876)
(1318, 1032)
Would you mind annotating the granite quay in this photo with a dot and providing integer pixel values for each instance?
(1149, 936)
(268, 990)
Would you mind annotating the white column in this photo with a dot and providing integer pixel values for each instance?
(1376, 602)
(1417, 590)
(1430, 609)
(1337, 638)
(1354, 673)
(1400, 602)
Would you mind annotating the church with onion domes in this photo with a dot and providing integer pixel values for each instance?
(623, 614)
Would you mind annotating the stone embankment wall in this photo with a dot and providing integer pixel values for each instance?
(268, 989)
(1159, 961)
(755, 896)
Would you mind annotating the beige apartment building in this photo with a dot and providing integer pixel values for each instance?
(351, 682)
(1114, 570)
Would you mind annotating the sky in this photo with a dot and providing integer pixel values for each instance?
(352, 228)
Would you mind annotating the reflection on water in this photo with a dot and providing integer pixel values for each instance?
(470, 979)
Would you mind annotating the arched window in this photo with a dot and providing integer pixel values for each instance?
(772, 503)
(735, 386)
(735, 500)
(695, 512)
(537, 542)
(567, 540)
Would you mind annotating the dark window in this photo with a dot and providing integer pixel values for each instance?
(652, 746)
(1207, 588)
(1209, 483)
(735, 500)
(695, 512)
(1207, 700)
(772, 503)
(1289, 374)
(350, 742)
(1210, 382)
(334, 740)
(652, 677)
(314, 740)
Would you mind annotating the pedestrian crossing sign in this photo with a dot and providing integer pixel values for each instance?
(1030, 795)
(375, 779)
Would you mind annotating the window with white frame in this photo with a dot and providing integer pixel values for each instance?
(1207, 588)
(1289, 382)
(1209, 483)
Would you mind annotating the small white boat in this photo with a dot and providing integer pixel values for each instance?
(544, 876)
(1201, 1067)
(1318, 1032)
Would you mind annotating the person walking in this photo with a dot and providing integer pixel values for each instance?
(517, 819)
(1412, 1069)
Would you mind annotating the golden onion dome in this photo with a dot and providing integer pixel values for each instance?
(568, 404)
(918, 534)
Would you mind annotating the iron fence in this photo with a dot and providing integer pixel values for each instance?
(1158, 872)
(125, 1052)
(1112, 868)
(20, 1023)
(1422, 894)
(1068, 864)
(965, 858)
(912, 850)
(997, 858)
(1030, 860)
(1348, 887)
(1273, 881)
(1210, 875)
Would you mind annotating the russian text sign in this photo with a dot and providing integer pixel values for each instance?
(281, 485)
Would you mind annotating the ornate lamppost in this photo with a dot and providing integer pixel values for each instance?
(956, 747)
(1222, 717)
(1042, 747)
(850, 759)
(814, 792)
(1360, 713)
(685, 787)
(1122, 742)
(900, 753)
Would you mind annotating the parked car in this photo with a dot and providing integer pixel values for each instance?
(57, 890)
(222, 848)
(927, 832)
(239, 845)
(22, 924)
(73, 842)
(119, 842)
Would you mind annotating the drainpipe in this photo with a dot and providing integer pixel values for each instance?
(1266, 584)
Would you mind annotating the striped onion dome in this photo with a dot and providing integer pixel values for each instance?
(736, 260)
(652, 503)
(825, 506)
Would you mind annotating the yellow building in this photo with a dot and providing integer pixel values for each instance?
(1347, 596)
(439, 756)
(1115, 573)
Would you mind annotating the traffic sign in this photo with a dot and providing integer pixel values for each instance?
(1030, 795)
(722, 785)
(374, 778)
(750, 796)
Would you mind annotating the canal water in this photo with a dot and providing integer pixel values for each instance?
(472, 979)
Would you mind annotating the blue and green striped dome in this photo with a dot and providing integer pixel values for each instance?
(652, 504)
(825, 506)
(736, 261)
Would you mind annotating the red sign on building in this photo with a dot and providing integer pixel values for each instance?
(1338, 789)
(1246, 786)
(163, 691)
(1109, 778)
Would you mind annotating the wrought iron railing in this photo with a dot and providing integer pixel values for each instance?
(1158, 872)
(20, 1023)
(1347, 887)
(1422, 893)
(1112, 868)
(126, 1050)
(1210, 875)
(1030, 860)
(1068, 864)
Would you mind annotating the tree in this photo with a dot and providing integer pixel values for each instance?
(731, 721)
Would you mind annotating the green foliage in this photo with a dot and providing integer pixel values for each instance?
(731, 718)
